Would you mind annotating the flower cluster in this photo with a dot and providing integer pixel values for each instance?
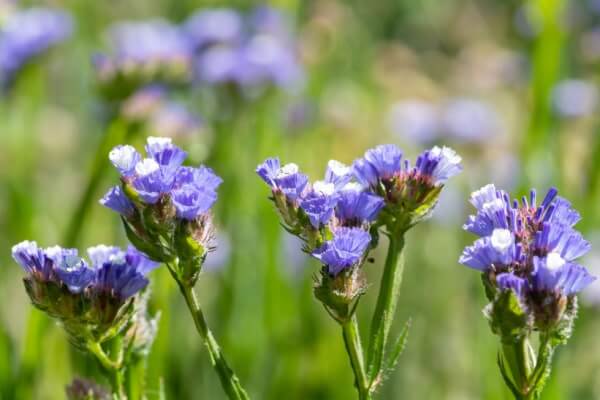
(338, 217)
(143, 52)
(90, 298)
(25, 34)
(247, 52)
(165, 206)
(529, 250)
(410, 192)
(213, 47)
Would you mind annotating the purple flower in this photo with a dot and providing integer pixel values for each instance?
(249, 53)
(113, 271)
(553, 273)
(268, 170)
(29, 33)
(355, 207)
(509, 281)
(530, 249)
(319, 203)
(494, 251)
(192, 191)
(345, 250)
(337, 173)
(438, 164)
(574, 98)
(144, 52)
(381, 163)
(287, 179)
(214, 26)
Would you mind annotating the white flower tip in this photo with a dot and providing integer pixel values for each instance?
(146, 167)
(338, 168)
(161, 141)
(123, 156)
(288, 169)
(554, 261)
(502, 239)
(324, 188)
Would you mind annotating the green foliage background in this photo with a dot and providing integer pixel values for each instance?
(360, 57)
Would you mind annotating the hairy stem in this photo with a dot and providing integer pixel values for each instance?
(113, 369)
(387, 300)
(355, 354)
(229, 381)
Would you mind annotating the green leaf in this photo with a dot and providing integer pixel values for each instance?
(398, 348)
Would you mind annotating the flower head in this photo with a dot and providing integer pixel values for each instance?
(81, 292)
(528, 248)
(345, 250)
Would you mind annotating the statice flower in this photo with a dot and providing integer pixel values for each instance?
(527, 256)
(164, 205)
(249, 52)
(92, 297)
(410, 193)
(27, 33)
(142, 53)
(332, 217)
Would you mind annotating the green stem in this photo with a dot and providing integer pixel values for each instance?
(117, 132)
(518, 359)
(387, 300)
(229, 380)
(355, 353)
(114, 369)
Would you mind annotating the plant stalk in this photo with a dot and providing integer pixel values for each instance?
(518, 359)
(113, 369)
(355, 354)
(387, 300)
(229, 381)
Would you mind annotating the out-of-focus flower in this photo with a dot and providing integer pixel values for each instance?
(574, 98)
(25, 34)
(250, 53)
(142, 53)
(415, 120)
(461, 119)
(469, 120)
(152, 107)
(85, 389)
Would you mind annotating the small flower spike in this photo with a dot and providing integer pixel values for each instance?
(526, 254)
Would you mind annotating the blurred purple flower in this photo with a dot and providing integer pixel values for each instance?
(27, 33)
(470, 120)
(415, 121)
(573, 98)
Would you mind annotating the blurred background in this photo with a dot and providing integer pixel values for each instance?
(511, 85)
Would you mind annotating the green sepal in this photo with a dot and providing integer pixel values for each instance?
(155, 253)
(506, 317)
(191, 254)
(340, 294)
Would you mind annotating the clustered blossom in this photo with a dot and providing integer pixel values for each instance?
(71, 288)
(144, 52)
(27, 33)
(410, 192)
(338, 218)
(161, 178)
(334, 207)
(164, 205)
(530, 249)
(212, 47)
(247, 51)
(350, 199)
